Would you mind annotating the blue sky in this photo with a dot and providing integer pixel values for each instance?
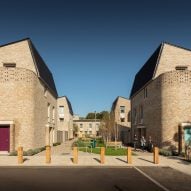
(94, 48)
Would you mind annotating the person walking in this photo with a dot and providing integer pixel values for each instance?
(135, 142)
(150, 144)
(143, 143)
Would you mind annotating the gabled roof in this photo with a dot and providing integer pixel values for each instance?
(69, 104)
(43, 70)
(146, 73)
(115, 102)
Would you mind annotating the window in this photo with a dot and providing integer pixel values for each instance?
(9, 65)
(141, 114)
(145, 92)
(45, 92)
(90, 132)
(81, 125)
(48, 112)
(129, 116)
(181, 67)
(90, 125)
(61, 109)
(122, 109)
(61, 120)
(53, 114)
(122, 119)
(134, 116)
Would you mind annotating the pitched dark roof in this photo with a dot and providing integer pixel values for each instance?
(69, 104)
(43, 71)
(146, 73)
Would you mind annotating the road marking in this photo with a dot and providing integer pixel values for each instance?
(152, 180)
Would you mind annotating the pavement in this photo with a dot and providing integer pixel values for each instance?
(62, 156)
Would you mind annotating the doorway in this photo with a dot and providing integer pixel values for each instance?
(5, 138)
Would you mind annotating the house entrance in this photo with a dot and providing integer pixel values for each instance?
(4, 138)
(187, 135)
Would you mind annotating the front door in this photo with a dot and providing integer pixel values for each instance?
(187, 135)
(4, 138)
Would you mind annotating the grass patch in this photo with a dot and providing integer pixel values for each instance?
(108, 151)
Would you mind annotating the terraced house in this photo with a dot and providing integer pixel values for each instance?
(28, 98)
(160, 98)
(121, 111)
(65, 119)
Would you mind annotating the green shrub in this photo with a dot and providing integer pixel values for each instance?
(165, 152)
(13, 153)
(56, 144)
(30, 152)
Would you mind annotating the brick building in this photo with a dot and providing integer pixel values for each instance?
(87, 127)
(121, 110)
(160, 97)
(28, 98)
(64, 119)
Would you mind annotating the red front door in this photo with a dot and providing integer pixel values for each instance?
(4, 138)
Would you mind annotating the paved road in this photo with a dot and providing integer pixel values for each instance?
(91, 179)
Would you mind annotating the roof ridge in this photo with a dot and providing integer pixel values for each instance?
(14, 42)
(177, 46)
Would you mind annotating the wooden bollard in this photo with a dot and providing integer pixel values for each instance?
(48, 154)
(102, 155)
(75, 154)
(156, 155)
(129, 158)
(20, 155)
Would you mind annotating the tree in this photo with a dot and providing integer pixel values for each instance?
(107, 129)
(75, 129)
(99, 115)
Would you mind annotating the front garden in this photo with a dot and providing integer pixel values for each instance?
(85, 145)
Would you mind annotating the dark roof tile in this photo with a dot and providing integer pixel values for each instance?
(146, 73)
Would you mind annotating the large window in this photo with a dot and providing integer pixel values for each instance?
(145, 93)
(48, 112)
(53, 114)
(90, 125)
(134, 116)
(122, 109)
(141, 114)
(61, 109)
(81, 125)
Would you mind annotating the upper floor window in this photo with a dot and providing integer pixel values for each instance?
(129, 116)
(141, 114)
(181, 67)
(45, 92)
(90, 125)
(145, 92)
(61, 109)
(81, 125)
(9, 65)
(48, 112)
(53, 114)
(122, 109)
(122, 119)
(134, 116)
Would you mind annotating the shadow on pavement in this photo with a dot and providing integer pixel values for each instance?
(97, 160)
(145, 160)
(121, 160)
